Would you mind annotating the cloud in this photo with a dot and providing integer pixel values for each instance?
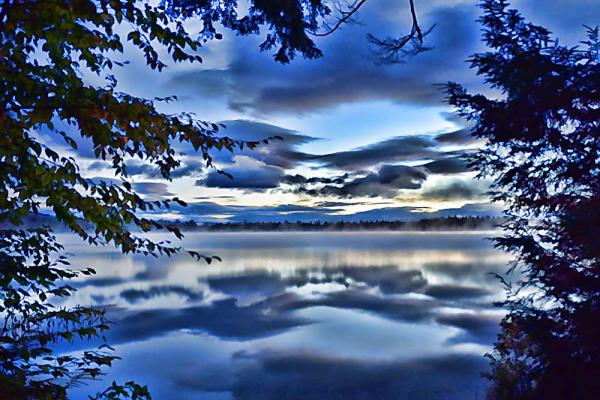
(137, 168)
(456, 190)
(227, 197)
(248, 174)
(449, 165)
(280, 153)
(152, 190)
(389, 279)
(459, 137)
(266, 166)
(251, 83)
(189, 168)
(397, 149)
(302, 180)
(386, 182)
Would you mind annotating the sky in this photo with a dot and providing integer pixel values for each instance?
(362, 140)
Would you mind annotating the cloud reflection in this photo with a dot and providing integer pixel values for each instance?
(325, 315)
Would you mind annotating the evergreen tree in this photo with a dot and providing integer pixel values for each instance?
(542, 149)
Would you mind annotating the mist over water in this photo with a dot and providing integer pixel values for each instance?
(313, 315)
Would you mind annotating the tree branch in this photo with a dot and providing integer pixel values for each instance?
(346, 16)
(393, 50)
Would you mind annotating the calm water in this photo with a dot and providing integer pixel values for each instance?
(301, 315)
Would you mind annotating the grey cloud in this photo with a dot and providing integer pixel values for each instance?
(453, 117)
(302, 180)
(389, 279)
(244, 177)
(253, 83)
(97, 180)
(214, 197)
(457, 190)
(97, 165)
(153, 190)
(279, 153)
(566, 20)
(384, 183)
(397, 149)
(459, 137)
(264, 167)
(336, 204)
(85, 145)
(189, 168)
(137, 168)
(449, 165)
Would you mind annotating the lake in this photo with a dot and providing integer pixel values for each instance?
(301, 315)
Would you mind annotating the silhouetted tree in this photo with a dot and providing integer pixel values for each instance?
(542, 132)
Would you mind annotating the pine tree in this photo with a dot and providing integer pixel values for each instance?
(542, 133)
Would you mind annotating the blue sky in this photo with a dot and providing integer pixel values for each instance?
(362, 140)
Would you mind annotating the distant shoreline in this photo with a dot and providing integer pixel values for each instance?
(447, 224)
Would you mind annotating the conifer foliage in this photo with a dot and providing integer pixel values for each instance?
(542, 133)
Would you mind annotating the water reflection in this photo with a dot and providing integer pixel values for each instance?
(302, 315)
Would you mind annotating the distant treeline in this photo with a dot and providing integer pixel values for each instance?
(430, 224)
